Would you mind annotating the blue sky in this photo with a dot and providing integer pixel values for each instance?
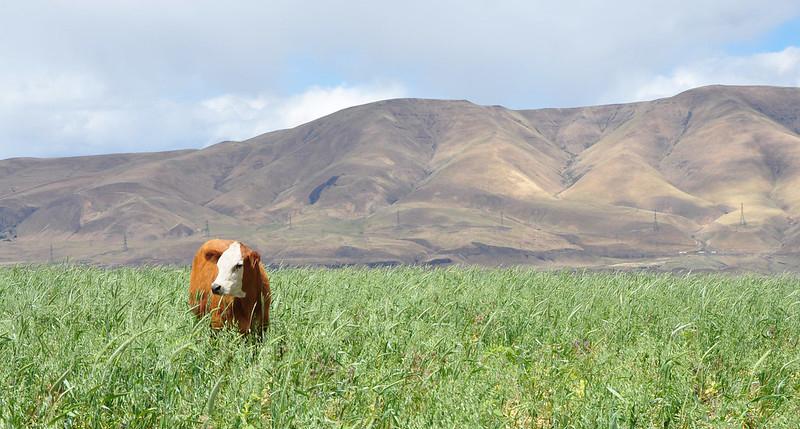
(88, 77)
(774, 39)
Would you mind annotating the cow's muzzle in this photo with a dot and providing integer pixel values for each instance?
(216, 289)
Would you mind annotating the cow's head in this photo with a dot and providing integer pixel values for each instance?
(230, 271)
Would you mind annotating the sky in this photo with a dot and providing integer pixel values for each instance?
(90, 77)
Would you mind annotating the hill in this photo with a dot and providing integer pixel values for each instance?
(658, 184)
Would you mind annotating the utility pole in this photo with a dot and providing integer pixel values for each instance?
(207, 231)
(290, 220)
(741, 216)
(51, 253)
(124, 241)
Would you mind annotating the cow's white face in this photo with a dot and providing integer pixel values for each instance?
(229, 272)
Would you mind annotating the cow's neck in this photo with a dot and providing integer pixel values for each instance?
(250, 285)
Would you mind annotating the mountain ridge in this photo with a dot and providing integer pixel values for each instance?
(417, 180)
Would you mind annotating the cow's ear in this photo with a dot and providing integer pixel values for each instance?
(255, 257)
(251, 256)
(213, 256)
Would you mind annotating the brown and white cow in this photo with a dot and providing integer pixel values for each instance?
(229, 282)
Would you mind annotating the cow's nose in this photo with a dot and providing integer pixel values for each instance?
(216, 289)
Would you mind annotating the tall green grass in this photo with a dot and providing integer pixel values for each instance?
(405, 347)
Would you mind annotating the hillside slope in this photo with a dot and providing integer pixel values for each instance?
(657, 183)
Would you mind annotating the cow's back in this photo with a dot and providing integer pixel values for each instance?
(265, 296)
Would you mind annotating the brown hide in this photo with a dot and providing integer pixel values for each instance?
(249, 314)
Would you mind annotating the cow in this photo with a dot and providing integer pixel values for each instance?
(229, 282)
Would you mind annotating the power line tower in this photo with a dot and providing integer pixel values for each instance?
(741, 216)
(655, 220)
(124, 241)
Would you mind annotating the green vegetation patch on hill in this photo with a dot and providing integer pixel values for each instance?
(403, 347)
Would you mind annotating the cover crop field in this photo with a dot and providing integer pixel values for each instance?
(403, 347)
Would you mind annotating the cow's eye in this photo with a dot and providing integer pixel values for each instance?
(238, 266)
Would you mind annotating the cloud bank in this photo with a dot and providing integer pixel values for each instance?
(771, 68)
(90, 76)
(68, 115)
(239, 117)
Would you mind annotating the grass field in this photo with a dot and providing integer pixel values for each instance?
(406, 347)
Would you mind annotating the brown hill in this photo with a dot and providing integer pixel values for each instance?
(658, 183)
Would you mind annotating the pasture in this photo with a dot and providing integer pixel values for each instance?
(403, 347)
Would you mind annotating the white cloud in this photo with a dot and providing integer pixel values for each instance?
(771, 68)
(61, 116)
(44, 89)
(92, 76)
(235, 117)
(317, 102)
